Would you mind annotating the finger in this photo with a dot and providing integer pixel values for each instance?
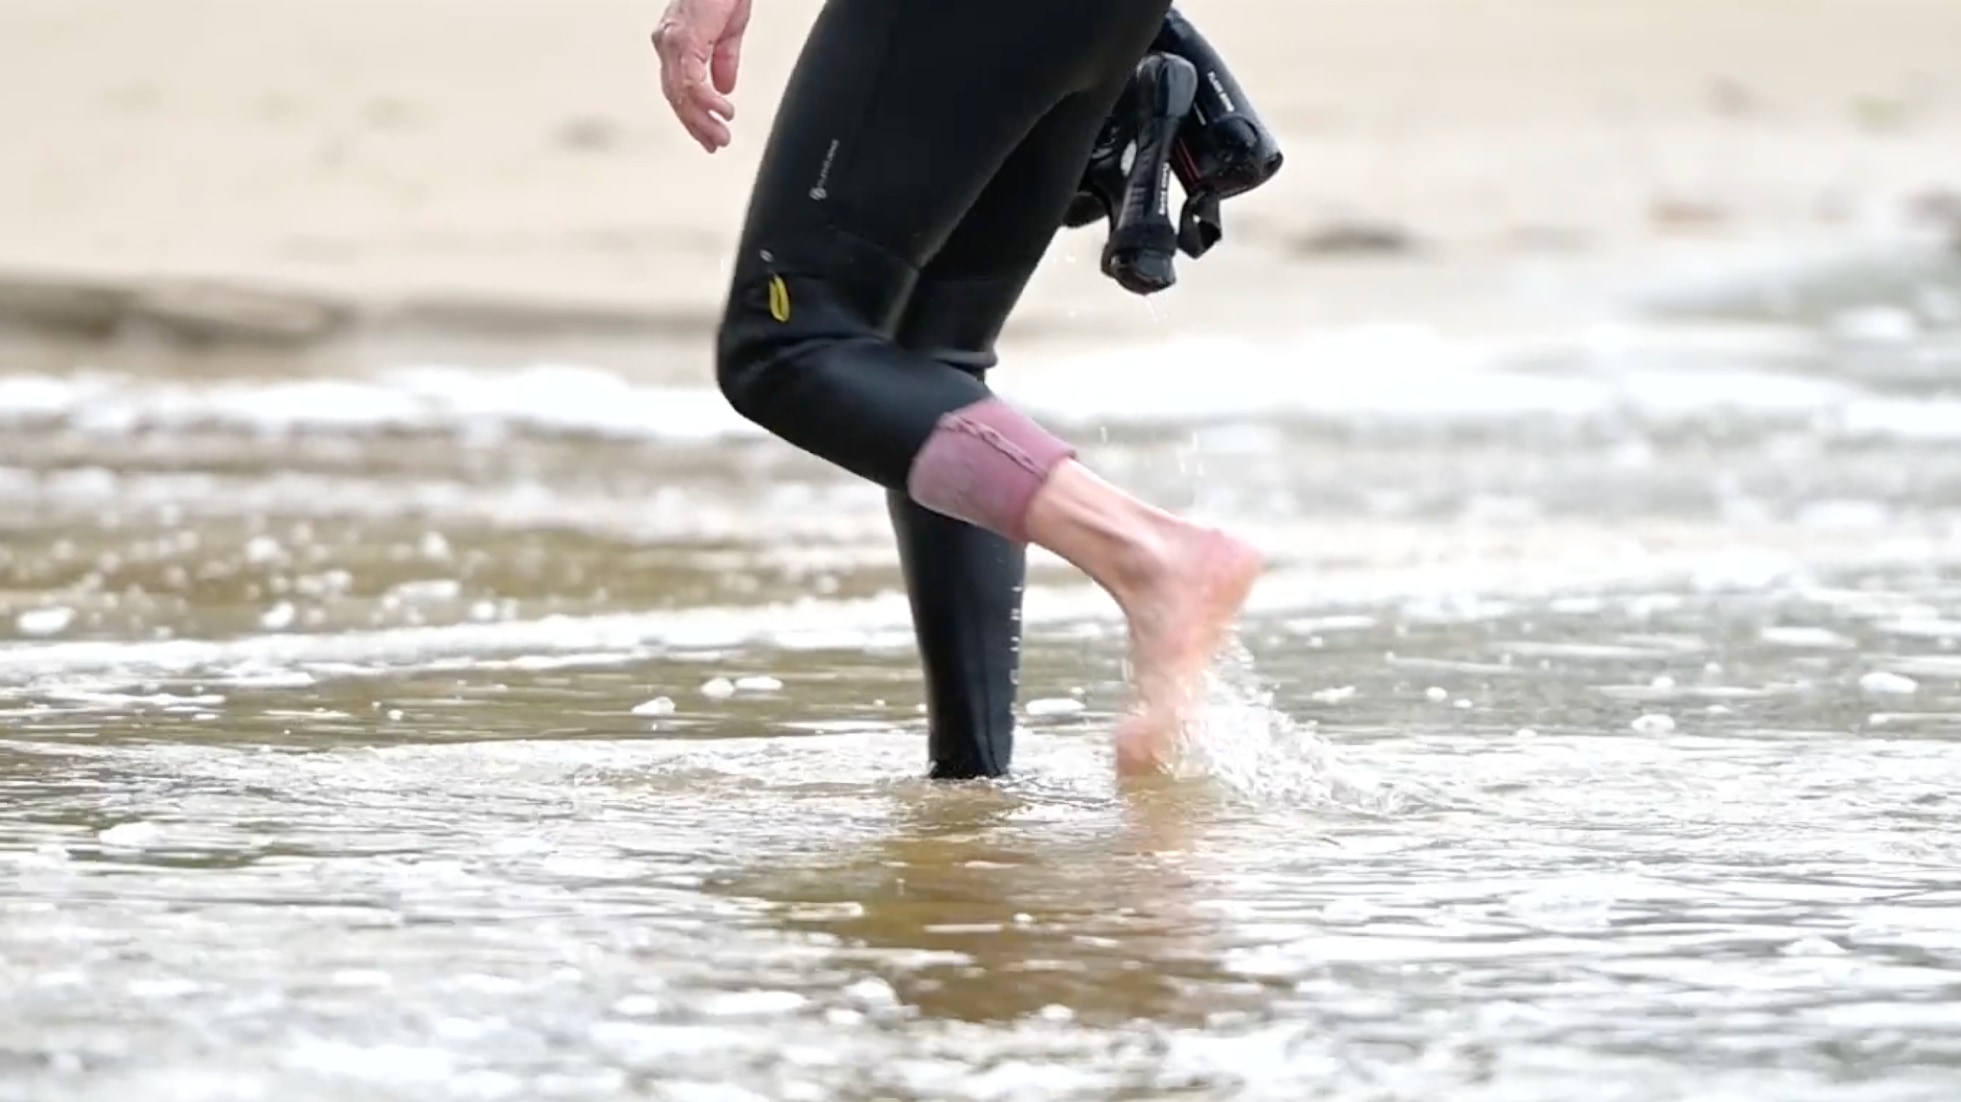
(695, 74)
(684, 74)
(712, 136)
(705, 112)
(711, 101)
(716, 133)
(708, 131)
(728, 59)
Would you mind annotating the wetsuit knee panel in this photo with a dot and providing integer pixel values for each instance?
(806, 351)
(816, 288)
(751, 346)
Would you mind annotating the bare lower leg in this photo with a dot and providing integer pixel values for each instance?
(1180, 585)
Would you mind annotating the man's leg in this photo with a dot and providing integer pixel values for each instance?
(900, 147)
(965, 583)
(965, 587)
(898, 117)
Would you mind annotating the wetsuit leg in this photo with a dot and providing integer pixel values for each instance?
(895, 150)
(896, 119)
(965, 583)
(965, 586)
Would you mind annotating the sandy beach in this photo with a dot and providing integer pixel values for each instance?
(289, 169)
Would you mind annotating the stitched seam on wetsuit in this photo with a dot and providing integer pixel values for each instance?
(993, 438)
(984, 737)
(980, 741)
(882, 250)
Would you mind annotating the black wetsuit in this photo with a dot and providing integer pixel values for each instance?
(919, 166)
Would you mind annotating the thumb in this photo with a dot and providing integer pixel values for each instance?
(727, 59)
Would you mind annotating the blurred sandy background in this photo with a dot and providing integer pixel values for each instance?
(288, 168)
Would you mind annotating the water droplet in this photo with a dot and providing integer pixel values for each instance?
(131, 835)
(44, 621)
(1881, 682)
(1054, 706)
(658, 706)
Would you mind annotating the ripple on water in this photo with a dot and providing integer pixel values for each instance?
(1368, 891)
(568, 745)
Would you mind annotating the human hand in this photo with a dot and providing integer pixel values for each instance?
(699, 42)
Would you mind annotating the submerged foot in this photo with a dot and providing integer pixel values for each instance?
(1181, 615)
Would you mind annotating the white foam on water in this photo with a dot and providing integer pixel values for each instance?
(877, 622)
(1905, 419)
(1401, 375)
(1411, 375)
(544, 398)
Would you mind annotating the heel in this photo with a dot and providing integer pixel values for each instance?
(1226, 149)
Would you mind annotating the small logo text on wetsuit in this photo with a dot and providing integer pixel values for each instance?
(819, 191)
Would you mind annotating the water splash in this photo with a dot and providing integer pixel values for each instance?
(1257, 752)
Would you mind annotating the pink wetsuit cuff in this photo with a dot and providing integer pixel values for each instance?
(983, 464)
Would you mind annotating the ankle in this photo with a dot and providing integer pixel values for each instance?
(1123, 544)
(1139, 559)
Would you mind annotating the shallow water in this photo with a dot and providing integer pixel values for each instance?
(1594, 736)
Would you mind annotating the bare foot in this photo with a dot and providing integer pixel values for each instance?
(1179, 584)
(1180, 614)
